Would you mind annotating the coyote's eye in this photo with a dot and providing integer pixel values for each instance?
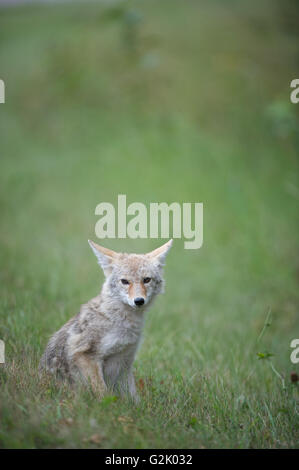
(146, 280)
(124, 281)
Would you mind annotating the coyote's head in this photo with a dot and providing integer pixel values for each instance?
(130, 278)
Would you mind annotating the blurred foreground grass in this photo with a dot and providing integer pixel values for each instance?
(162, 101)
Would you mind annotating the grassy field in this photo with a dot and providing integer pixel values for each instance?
(161, 101)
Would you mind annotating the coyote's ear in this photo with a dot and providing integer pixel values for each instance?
(104, 256)
(159, 254)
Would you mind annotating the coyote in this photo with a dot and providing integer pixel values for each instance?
(98, 345)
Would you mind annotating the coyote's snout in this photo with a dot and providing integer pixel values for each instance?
(99, 344)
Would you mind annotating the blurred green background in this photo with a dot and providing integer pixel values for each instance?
(161, 101)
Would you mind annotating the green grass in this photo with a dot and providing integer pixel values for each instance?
(162, 101)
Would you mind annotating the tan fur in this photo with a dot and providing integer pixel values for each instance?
(90, 371)
(131, 290)
(99, 344)
(142, 289)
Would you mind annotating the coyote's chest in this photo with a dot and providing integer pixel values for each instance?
(120, 338)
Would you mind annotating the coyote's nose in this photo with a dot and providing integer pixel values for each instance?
(139, 301)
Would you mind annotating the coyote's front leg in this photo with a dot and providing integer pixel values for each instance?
(132, 387)
(127, 385)
(91, 372)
